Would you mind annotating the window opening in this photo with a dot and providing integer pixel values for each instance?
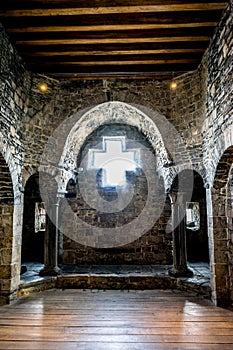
(114, 159)
(192, 216)
(40, 216)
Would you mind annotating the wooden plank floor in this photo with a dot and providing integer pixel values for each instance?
(115, 320)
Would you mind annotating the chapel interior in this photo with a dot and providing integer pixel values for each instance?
(116, 153)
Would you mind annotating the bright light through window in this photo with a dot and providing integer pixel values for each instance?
(115, 160)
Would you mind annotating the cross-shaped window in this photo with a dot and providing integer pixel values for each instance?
(114, 160)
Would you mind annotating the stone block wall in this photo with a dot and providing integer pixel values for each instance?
(218, 154)
(184, 110)
(14, 90)
(217, 127)
(188, 116)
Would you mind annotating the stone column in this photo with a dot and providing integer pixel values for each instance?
(180, 267)
(51, 241)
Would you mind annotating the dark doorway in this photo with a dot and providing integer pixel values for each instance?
(33, 227)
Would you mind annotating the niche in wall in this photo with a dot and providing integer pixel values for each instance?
(33, 223)
(154, 246)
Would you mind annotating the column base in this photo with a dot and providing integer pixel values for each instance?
(180, 272)
(50, 271)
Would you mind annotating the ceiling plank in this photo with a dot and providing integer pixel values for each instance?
(118, 27)
(123, 34)
(131, 62)
(112, 75)
(111, 40)
(113, 46)
(113, 19)
(110, 53)
(77, 11)
(109, 59)
(63, 68)
(21, 4)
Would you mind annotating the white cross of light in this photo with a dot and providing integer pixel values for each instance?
(114, 160)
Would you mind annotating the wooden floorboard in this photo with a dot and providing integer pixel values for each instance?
(115, 320)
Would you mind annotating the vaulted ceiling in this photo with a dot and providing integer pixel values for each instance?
(119, 38)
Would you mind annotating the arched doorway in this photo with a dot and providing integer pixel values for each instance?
(189, 227)
(33, 223)
(6, 230)
(197, 237)
(222, 203)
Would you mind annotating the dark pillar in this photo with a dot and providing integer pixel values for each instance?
(51, 241)
(180, 267)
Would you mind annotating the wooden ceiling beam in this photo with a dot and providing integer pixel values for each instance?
(41, 54)
(116, 63)
(21, 4)
(109, 35)
(77, 11)
(111, 40)
(125, 69)
(118, 27)
(113, 19)
(113, 75)
(23, 49)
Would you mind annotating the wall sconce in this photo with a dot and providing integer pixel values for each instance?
(173, 85)
(43, 87)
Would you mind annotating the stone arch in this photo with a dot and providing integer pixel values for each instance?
(60, 156)
(221, 229)
(13, 169)
(215, 153)
(116, 112)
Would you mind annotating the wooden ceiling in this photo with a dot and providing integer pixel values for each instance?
(119, 38)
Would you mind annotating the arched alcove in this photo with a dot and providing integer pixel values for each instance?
(190, 238)
(191, 185)
(221, 224)
(154, 245)
(33, 222)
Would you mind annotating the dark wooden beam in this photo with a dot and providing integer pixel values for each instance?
(168, 66)
(71, 54)
(77, 11)
(148, 18)
(112, 40)
(135, 34)
(111, 28)
(44, 4)
(104, 47)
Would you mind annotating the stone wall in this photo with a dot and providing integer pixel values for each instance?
(48, 111)
(188, 115)
(14, 90)
(217, 154)
(217, 127)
